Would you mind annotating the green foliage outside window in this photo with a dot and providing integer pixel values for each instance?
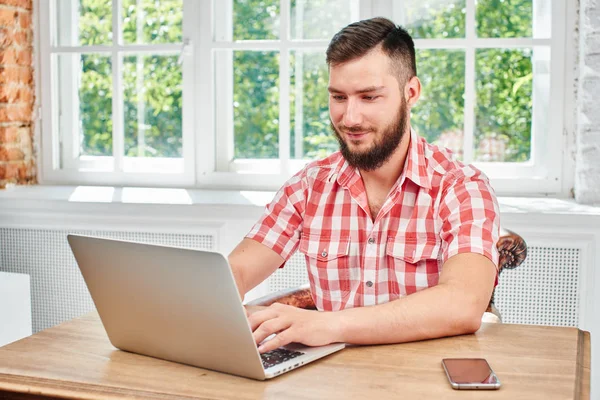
(96, 105)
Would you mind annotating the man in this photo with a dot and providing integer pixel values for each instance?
(400, 239)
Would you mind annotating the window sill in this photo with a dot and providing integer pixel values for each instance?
(134, 195)
(26, 197)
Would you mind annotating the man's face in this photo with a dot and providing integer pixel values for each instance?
(368, 110)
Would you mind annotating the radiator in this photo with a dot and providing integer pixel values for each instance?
(58, 292)
(544, 290)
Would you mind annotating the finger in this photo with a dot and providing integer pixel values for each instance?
(259, 317)
(252, 309)
(281, 339)
(270, 327)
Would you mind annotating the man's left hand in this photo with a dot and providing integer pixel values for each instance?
(291, 324)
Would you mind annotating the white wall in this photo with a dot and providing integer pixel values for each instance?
(587, 176)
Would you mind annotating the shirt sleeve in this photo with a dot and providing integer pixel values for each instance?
(471, 216)
(280, 225)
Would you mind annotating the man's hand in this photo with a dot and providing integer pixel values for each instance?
(291, 324)
(252, 309)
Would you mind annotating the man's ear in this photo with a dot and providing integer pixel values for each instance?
(412, 91)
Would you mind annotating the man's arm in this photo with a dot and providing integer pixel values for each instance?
(452, 307)
(251, 263)
(273, 238)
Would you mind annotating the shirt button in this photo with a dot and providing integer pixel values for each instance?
(324, 254)
(371, 240)
(369, 283)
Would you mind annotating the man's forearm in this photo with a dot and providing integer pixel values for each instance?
(251, 263)
(439, 311)
(453, 307)
(239, 280)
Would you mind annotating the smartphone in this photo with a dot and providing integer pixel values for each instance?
(470, 373)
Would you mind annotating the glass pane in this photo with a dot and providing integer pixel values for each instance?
(152, 22)
(439, 114)
(321, 19)
(505, 18)
(504, 105)
(152, 106)
(95, 94)
(84, 95)
(83, 22)
(255, 19)
(256, 104)
(428, 19)
(311, 137)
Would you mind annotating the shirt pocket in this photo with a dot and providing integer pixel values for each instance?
(415, 261)
(327, 259)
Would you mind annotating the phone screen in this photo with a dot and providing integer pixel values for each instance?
(469, 370)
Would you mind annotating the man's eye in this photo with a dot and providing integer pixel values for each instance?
(370, 98)
(338, 98)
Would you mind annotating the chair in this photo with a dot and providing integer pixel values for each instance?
(511, 248)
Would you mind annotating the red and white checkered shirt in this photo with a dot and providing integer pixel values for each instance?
(439, 207)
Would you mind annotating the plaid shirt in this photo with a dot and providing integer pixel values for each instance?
(439, 207)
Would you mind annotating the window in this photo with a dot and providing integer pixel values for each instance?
(114, 99)
(274, 74)
(232, 93)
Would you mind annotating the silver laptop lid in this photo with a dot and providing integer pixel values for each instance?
(176, 304)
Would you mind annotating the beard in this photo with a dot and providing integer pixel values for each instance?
(382, 148)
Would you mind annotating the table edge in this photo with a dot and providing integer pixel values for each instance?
(583, 372)
(55, 388)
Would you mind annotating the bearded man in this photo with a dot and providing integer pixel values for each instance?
(399, 237)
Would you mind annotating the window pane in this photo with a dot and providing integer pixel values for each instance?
(83, 22)
(504, 18)
(504, 105)
(256, 104)
(321, 19)
(152, 106)
(439, 114)
(255, 19)
(95, 93)
(84, 114)
(428, 19)
(311, 137)
(152, 22)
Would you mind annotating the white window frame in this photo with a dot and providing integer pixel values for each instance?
(221, 170)
(208, 125)
(61, 162)
(542, 174)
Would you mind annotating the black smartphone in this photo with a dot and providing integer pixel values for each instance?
(470, 373)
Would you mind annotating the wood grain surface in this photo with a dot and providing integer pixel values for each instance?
(75, 360)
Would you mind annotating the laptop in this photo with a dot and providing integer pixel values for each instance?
(180, 305)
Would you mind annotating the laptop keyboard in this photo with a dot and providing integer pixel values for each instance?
(278, 356)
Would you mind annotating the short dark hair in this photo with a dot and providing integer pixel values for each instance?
(359, 38)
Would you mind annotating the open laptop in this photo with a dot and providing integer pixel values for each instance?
(179, 305)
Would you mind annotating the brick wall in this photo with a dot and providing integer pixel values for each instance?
(17, 163)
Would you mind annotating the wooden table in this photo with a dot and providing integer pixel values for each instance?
(75, 360)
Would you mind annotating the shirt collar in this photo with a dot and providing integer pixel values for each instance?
(415, 166)
(346, 175)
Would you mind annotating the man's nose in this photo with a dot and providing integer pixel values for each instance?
(352, 114)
